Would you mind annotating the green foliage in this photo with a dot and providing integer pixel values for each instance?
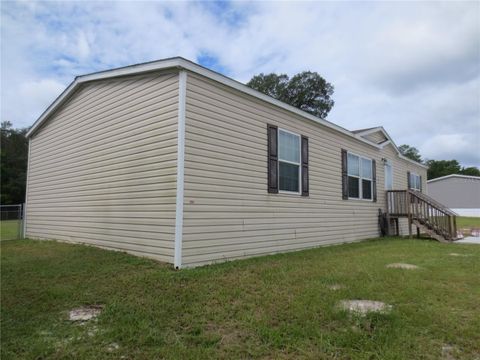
(307, 91)
(472, 171)
(411, 152)
(13, 161)
(269, 307)
(438, 168)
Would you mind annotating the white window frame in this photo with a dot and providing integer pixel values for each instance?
(389, 164)
(299, 164)
(413, 186)
(360, 177)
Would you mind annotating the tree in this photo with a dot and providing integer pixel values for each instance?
(13, 162)
(472, 171)
(307, 91)
(438, 168)
(411, 152)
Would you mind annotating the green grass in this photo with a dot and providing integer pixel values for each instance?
(468, 222)
(274, 307)
(9, 229)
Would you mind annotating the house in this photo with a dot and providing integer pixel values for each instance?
(176, 162)
(461, 193)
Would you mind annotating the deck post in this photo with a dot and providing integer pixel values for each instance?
(454, 227)
(409, 216)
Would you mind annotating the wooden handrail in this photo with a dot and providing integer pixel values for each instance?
(419, 207)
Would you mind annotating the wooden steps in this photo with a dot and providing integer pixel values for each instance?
(429, 216)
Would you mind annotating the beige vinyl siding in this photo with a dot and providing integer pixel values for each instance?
(102, 169)
(376, 137)
(228, 213)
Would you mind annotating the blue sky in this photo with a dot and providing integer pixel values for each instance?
(413, 67)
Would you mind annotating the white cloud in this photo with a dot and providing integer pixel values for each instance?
(413, 67)
(453, 146)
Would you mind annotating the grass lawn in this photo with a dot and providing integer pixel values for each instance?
(468, 222)
(9, 229)
(270, 307)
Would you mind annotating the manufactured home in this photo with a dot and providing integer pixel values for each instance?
(461, 193)
(176, 162)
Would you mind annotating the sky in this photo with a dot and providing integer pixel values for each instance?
(412, 67)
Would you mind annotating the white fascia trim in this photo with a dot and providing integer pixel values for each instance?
(182, 90)
(371, 131)
(454, 175)
(26, 191)
(53, 106)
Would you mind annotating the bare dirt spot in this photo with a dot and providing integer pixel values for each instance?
(113, 347)
(362, 307)
(448, 352)
(85, 313)
(336, 287)
(457, 254)
(402, 266)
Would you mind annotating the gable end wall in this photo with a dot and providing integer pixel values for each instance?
(102, 169)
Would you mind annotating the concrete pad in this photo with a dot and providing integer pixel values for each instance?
(363, 307)
(469, 240)
(85, 313)
(402, 266)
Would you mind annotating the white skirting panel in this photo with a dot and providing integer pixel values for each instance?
(468, 212)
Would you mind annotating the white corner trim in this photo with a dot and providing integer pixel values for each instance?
(26, 191)
(182, 89)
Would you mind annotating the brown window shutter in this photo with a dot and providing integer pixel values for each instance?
(374, 180)
(344, 175)
(408, 180)
(305, 182)
(272, 159)
(420, 183)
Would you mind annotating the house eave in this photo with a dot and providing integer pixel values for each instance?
(181, 63)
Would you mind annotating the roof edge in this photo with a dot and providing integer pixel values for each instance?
(454, 175)
(182, 63)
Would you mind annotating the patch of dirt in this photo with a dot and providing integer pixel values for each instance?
(448, 352)
(457, 254)
(113, 347)
(402, 266)
(363, 307)
(85, 313)
(336, 287)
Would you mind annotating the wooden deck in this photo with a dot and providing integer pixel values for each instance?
(422, 211)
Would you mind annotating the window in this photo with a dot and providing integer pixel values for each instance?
(415, 182)
(288, 161)
(360, 177)
(388, 176)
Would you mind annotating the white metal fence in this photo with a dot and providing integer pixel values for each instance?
(11, 222)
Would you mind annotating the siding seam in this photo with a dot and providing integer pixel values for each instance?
(182, 92)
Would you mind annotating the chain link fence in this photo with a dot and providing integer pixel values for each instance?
(11, 222)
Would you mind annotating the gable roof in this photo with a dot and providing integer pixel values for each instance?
(180, 63)
(454, 176)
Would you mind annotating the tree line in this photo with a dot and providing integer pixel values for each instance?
(438, 168)
(306, 90)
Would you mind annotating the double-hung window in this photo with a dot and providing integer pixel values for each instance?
(289, 161)
(360, 177)
(415, 182)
